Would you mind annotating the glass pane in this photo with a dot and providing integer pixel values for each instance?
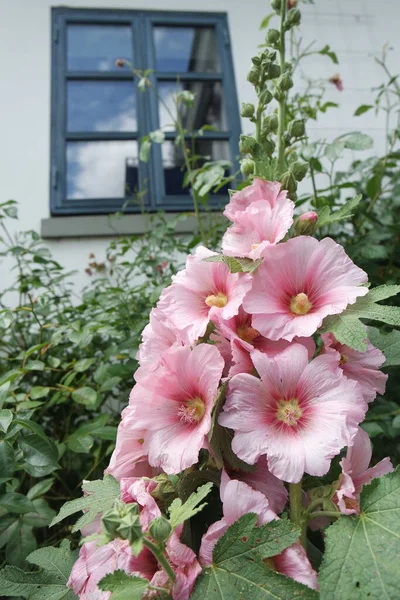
(102, 169)
(208, 106)
(101, 106)
(173, 163)
(186, 49)
(96, 47)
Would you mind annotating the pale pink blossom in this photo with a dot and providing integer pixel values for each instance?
(174, 405)
(355, 473)
(360, 366)
(298, 284)
(158, 335)
(202, 292)
(256, 228)
(269, 192)
(139, 489)
(299, 414)
(262, 480)
(95, 562)
(238, 499)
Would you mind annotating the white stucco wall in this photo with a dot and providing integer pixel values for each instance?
(356, 29)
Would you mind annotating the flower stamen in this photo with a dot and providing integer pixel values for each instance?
(192, 411)
(300, 304)
(247, 334)
(288, 411)
(219, 300)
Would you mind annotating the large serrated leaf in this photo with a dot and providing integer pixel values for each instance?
(178, 512)
(100, 496)
(325, 217)
(238, 572)
(362, 552)
(124, 586)
(388, 343)
(347, 327)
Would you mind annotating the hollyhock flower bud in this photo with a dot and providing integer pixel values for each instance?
(139, 490)
(299, 169)
(296, 128)
(246, 144)
(298, 284)
(247, 166)
(160, 529)
(203, 292)
(293, 18)
(300, 414)
(253, 75)
(272, 37)
(307, 223)
(355, 473)
(362, 367)
(270, 124)
(247, 110)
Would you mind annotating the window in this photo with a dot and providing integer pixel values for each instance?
(99, 116)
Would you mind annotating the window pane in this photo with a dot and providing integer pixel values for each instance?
(96, 47)
(173, 162)
(102, 169)
(208, 108)
(101, 106)
(186, 49)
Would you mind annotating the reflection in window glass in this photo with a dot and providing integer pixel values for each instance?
(96, 47)
(102, 169)
(173, 162)
(101, 106)
(208, 106)
(185, 49)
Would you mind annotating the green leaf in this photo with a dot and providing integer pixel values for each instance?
(82, 365)
(388, 343)
(39, 392)
(124, 586)
(22, 543)
(326, 51)
(38, 452)
(347, 327)
(6, 417)
(110, 384)
(145, 147)
(47, 584)
(325, 217)
(16, 503)
(8, 527)
(361, 558)
(235, 264)
(357, 141)
(40, 488)
(100, 497)
(157, 136)
(85, 395)
(178, 512)
(7, 459)
(265, 22)
(238, 572)
(363, 108)
(80, 443)
(42, 516)
(334, 150)
(34, 365)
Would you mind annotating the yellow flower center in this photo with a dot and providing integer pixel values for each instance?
(343, 359)
(288, 411)
(219, 300)
(247, 334)
(300, 304)
(192, 411)
(254, 246)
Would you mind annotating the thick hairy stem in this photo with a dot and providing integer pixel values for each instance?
(297, 510)
(160, 556)
(282, 101)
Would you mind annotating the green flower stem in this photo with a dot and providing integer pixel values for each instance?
(314, 504)
(282, 101)
(323, 513)
(160, 556)
(258, 121)
(297, 510)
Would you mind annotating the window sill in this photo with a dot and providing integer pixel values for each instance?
(106, 226)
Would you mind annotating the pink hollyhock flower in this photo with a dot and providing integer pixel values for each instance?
(258, 227)
(299, 414)
(202, 292)
(360, 366)
(355, 473)
(137, 489)
(95, 562)
(174, 405)
(268, 192)
(239, 499)
(157, 337)
(299, 283)
(262, 480)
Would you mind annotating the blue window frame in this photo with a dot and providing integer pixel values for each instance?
(99, 117)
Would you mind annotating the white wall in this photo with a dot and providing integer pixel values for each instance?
(356, 29)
